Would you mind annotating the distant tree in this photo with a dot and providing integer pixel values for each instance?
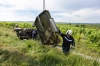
(69, 23)
(76, 25)
(83, 26)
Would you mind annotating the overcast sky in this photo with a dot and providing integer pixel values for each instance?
(61, 10)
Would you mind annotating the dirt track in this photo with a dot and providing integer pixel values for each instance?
(83, 55)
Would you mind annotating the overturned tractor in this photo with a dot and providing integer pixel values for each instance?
(47, 29)
(25, 33)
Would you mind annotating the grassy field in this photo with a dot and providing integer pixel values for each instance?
(15, 52)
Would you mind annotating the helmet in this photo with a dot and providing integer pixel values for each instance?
(69, 32)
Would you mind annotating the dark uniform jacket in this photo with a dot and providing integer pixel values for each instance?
(67, 41)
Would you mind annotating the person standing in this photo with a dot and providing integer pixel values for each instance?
(34, 34)
(67, 41)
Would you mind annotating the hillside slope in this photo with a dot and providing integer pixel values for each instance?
(15, 52)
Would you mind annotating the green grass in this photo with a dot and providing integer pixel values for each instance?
(15, 52)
